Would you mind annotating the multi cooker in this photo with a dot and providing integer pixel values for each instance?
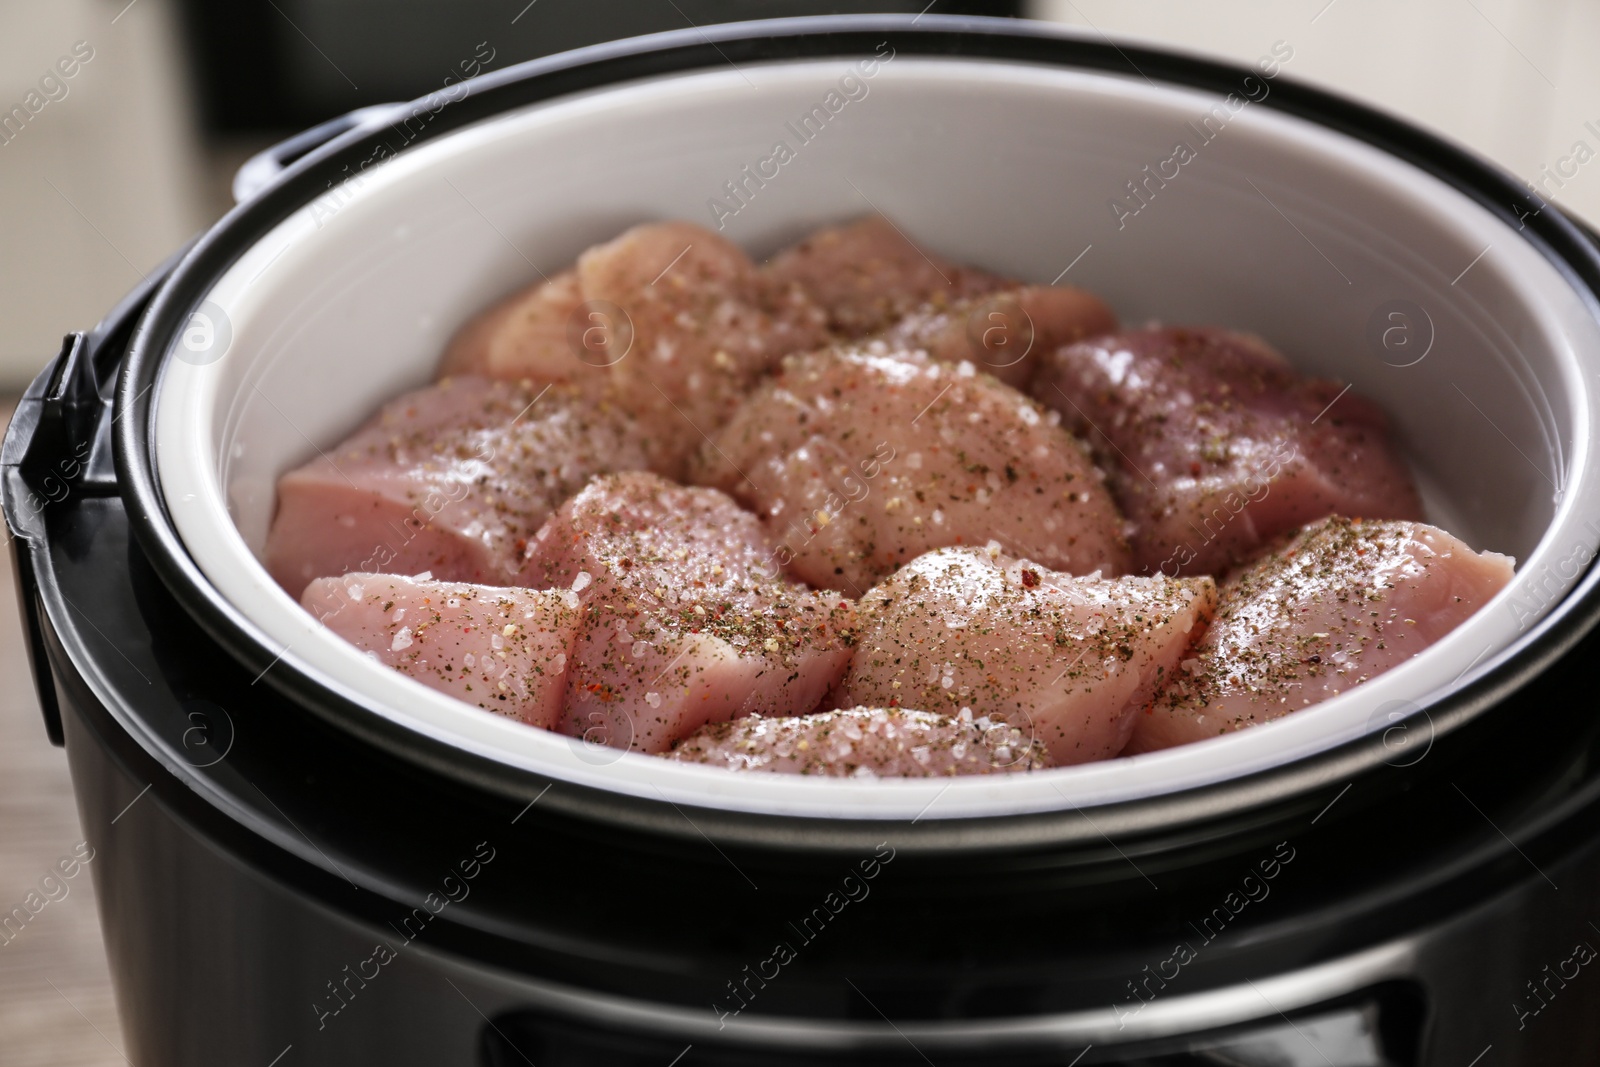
(303, 858)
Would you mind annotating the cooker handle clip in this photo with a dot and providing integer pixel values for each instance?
(54, 449)
(44, 454)
(264, 168)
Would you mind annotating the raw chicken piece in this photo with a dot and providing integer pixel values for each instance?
(687, 619)
(503, 650)
(539, 333)
(673, 319)
(1007, 334)
(453, 478)
(705, 324)
(1341, 602)
(859, 460)
(864, 743)
(867, 275)
(1215, 446)
(1069, 661)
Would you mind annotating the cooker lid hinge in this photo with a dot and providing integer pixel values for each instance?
(48, 456)
(72, 401)
(57, 448)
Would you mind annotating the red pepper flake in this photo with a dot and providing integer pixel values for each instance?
(1030, 578)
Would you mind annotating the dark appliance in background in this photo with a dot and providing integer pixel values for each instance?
(274, 66)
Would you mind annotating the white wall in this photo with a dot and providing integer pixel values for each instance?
(1514, 79)
(100, 185)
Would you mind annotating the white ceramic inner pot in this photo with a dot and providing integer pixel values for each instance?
(1277, 226)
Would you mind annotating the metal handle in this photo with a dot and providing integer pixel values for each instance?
(264, 168)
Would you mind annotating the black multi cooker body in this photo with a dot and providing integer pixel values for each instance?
(288, 878)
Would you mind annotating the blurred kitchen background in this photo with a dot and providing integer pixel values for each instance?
(106, 170)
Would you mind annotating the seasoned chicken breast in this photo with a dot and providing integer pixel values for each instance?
(541, 333)
(1341, 602)
(686, 617)
(675, 320)
(1069, 660)
(1215, 446)
(867, 275)
(859, 460)
(1006, 333)
(705, 322)
(683, 292)
(455, 479)
(503, 650)
(864, 743)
